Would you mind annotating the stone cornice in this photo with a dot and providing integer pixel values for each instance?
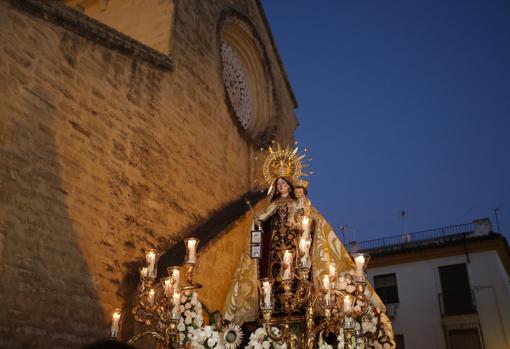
(74, 21)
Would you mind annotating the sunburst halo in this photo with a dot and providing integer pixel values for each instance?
(231, 336)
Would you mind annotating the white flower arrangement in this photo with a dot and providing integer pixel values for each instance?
(191, 316)
(206, 338)
(230, 337)
(261, 340)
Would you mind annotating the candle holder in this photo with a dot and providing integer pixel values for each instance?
(303, 259)
(114, 330)
(152, 258)
(189, 270)
(176, 274)
(159, 316)
(287, 264)
(266, 301)
(191, 245)
(332, 274)
(190, 261)
(305, 226)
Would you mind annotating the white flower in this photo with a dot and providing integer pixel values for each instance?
(350, 289)
(211, 342)
(181, 327)
(266, 344)
(187, 320)
(182, 308)
(182, 337)
(257, 345)
(187, 306)
(357, 309)
(275, 330)
(198, 321)
(208, 331)
(183, 298)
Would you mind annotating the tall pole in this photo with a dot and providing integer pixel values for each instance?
(496, 210)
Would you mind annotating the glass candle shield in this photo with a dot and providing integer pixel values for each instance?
(191, 245)
(304, 260)
(176, 273)
(114, 330)
(265, 294)
(176, 303)
(151, 257)
(287, 258)
(361, 262)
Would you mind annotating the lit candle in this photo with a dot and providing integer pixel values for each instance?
(325, 282)
(151, 260)
(176, 300)
(176, 277)
(306, 227)
(327, 286)
(287, 265)
(266, 287)
(191, 251)
(360, 262)
(304, 248)
(167, 285)
(332, 271)
(347, 304)
(150, 297)
(332, 274)
(115, 323)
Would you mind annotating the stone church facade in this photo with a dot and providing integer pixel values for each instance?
(126, 125)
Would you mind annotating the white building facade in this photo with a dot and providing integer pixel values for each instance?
(448, 288)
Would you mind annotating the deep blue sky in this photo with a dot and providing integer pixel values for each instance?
(404, 104)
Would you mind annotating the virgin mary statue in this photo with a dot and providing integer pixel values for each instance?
(287, 216)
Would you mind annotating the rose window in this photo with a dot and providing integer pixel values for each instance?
(237, 85)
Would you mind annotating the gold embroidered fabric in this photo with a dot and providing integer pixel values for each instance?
(241, 304)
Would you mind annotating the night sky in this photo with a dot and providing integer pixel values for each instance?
(405, 105)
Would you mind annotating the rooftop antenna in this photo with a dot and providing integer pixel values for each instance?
(405, 236)
(496, 213)
(344, 229)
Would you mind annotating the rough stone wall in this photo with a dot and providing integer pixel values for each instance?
(218, 261)
(148, 21)
(103, 156)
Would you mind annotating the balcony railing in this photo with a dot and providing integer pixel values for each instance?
(438, 235)
(457, 303)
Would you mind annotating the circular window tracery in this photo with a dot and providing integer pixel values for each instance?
(247, 77)
(236, 84)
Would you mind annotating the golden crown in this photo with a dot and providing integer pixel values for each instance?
(285, 162)
(302, 183)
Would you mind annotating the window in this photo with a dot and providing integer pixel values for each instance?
(399, 341)
(386, 288)
(463, 336)
(456, 297)
(247, 79)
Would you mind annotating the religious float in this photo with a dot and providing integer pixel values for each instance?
(295, 287)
